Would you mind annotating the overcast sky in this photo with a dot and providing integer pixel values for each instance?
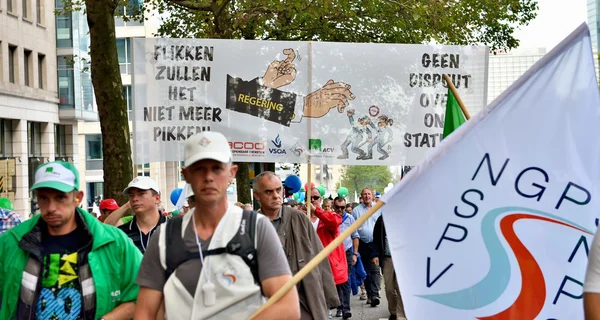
(555, 20)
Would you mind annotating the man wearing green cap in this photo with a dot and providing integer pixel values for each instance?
(64, 263)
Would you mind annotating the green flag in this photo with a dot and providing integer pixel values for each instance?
(454, 115)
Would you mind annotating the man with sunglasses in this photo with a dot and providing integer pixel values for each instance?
(351, 247)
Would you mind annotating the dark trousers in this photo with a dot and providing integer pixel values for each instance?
(373, 280)
(344, 288)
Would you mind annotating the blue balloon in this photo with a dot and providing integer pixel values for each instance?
(293, 182)
(175, 194)
(301, 196)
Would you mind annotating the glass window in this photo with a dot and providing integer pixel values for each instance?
(66, 92)
(34, 138)
(39, 12)
(127, 97)
(93, 146)
(64, 31)
(60, 140)
(25, 9)
(5, 137)
(27, 68)
(10, 5)
(124, 52)
(41, 70)
(87, 88)
(133, 7)
(12, 64)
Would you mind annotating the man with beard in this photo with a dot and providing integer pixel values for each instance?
(317, 291)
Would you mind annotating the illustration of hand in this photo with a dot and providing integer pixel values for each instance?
(281, 73)
(333, 94)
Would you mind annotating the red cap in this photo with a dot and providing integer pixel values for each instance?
(109, 204)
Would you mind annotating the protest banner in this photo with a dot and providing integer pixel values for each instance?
(277, 101)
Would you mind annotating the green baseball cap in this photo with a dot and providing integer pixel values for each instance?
(58, 175)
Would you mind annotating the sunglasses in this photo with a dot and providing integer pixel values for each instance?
(339, 207)
(315, 198)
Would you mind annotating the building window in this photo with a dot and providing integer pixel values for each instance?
(93, 152)
(124, 52)
(64, 31)
(25, 8)
(39, 10)
(34, 138)
(127, 96)
(60, 140)
(27, 69)
(12, 64)
(11, 6)
(143, 170)
(5, 138)
(66, 93)
(41, 71)
(87, 88)
(132, 8)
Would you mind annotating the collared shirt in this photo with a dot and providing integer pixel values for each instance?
(140, 239)
(348, 220)
(8, 219)
(277, 221)
(366, 230)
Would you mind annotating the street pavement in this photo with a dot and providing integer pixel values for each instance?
(362, 311)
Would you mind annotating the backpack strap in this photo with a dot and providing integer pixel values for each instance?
(174, 256)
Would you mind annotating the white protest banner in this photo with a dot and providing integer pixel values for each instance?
(496, 222)
(280, 101)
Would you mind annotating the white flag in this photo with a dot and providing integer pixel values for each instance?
(496, 222)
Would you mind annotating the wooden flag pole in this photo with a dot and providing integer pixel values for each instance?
(318, 258)
(458, 99)
(308, 190)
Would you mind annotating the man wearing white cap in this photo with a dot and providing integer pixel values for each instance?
(218, 261)
(61, 264)
(144, 199)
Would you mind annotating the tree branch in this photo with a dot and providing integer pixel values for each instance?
(225, 3)
(199, 5)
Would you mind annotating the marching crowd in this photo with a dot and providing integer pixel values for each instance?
(213, 260)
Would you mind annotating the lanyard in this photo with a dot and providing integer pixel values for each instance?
(142, 237)
(208, 289)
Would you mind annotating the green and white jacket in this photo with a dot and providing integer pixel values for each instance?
(107, 276)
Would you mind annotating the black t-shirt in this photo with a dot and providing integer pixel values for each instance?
(140, 239)
(60, 297)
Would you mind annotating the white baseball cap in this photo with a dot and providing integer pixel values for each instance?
(207, 145)
(142, 183)
(58, 175)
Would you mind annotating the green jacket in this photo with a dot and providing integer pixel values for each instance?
(113, 260)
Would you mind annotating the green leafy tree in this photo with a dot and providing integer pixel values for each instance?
(489, 22)
(355, 178)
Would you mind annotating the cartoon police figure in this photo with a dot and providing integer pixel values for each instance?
(383, 137)
(355, 137)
